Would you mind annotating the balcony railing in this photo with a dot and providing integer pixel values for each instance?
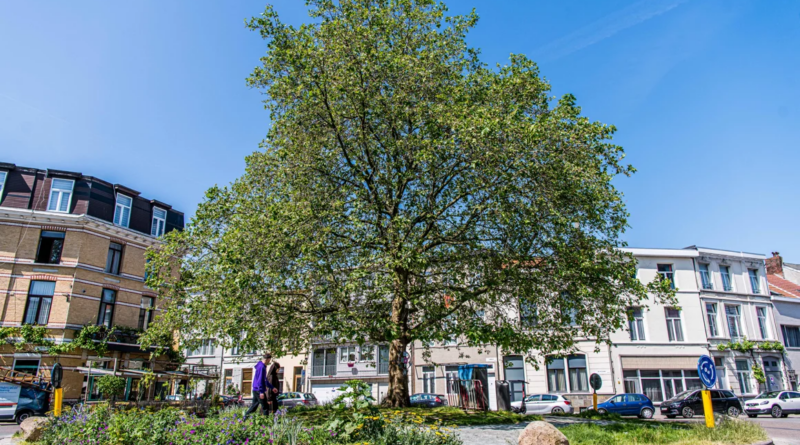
(383, 368)
(323, 370)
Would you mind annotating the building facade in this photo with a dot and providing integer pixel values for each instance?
(72, 254)
(784, 286)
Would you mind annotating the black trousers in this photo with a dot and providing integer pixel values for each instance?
(258, 401)
(272, 398)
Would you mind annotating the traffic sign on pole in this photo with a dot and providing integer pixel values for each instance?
(708, 376)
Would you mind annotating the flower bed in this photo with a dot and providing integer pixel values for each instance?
(103, 426)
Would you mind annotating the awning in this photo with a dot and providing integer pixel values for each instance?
(658, 363)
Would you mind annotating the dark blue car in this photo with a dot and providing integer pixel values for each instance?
(628, 405)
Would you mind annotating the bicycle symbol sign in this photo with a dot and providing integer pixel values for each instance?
(707, 371)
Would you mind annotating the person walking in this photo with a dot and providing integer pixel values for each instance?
(261, 387)
(272, 378)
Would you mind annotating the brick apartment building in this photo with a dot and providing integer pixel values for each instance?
(72, 254)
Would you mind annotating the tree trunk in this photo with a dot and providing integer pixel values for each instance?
(397, 395)
(398, 373)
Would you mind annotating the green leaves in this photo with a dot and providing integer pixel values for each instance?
(405, 191)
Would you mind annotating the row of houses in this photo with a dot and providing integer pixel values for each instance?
(725, 301)
(72, 255)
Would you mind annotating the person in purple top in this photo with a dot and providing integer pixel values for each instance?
(260, 387)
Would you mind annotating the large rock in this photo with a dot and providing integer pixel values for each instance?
(542, 433)
(32, 427)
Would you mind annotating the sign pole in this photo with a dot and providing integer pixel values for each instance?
(596, 383)
(56, 376)
(59, 397)
(707, 372)
(708, 410)
(594, 400)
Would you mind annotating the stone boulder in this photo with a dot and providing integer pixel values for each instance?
(542, 433)
(31, 428)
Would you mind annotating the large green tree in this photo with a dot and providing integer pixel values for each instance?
(405, 191)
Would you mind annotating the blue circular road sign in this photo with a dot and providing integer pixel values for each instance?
(707, 371)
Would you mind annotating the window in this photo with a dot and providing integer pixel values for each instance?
(60, 195)
(50, 246)
(725, 271)
(514, 367)
(754, 281)
(743, 375)
(145, 312)
(348, 354)
(660, 385)
(451, 341)
(367, 353)
(528, 313)
(114, 258)
(573, 366)
(122, 211)
(761, 315)
(705, 277)
(791, 336)
(674, 324)
(711, 316)
(428, 379)
(666, 273)
(159, 222)
(27, 366)
(734, 325)
(40, 298)
(2, 183)
(323, 362)
(636, 324)
(206, 347)
(722, 380)
(451, 377)
(106, 314)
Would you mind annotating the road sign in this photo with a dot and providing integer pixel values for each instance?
(707, 371)
(596, 381)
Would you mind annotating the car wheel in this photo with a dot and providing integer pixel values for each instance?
(557, 410)
(733, 411)
(23, 415)
(646, 413)
(687, 412)
(752, 415)
(602, 411)
(776, 411)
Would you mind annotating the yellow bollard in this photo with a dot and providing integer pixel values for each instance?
(708, 409)
(59, 393)
(594, 400)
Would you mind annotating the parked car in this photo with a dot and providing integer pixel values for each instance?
(774, 403)
(174, 398)
(628, 405)
(32, 402)
(292, 399)
(230, 401)
(545, 404)
(690, 403)
(428, 400)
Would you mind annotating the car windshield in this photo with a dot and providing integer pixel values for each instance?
(769, 395)
(683, 395)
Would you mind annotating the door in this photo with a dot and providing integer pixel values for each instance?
(548, 403)
(635, 402)
(719, 402)
(794, 402)
(325, 392)
(533, 404)
(617, 404)
(695, 402)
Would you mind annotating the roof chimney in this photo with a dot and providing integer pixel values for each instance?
(775, 264)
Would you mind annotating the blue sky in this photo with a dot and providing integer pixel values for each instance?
(705, 95)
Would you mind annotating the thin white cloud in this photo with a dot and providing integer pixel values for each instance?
(605, 27)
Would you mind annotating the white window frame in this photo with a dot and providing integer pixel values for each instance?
(640, 336)
(3, 183)
(163, 221)
(746, 375)
(712, 316)
(566, 369)
(758, 281)
(731, 281)
(117, 206)
(739, 324)
(663, 275)
(767, 334)
(344, 354)
(61, 193)
(671, 322)
(707, 274)
(371, 357)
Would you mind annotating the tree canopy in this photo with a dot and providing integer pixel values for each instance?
(405, 191)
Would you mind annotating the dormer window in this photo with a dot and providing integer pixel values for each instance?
(60, 195)
(122, 212)
(159, 222)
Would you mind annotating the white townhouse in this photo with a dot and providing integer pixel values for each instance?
(657, 355)
(737, 307)
(784, 286)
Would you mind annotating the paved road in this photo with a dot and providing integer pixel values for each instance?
(782, 431)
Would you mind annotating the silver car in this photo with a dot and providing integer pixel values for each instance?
(292, 399)
(545, 404)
